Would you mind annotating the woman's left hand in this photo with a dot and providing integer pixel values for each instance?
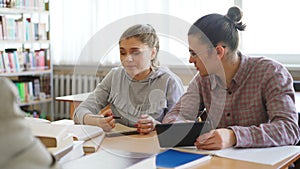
(146, 124)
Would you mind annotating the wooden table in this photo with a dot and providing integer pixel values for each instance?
(124, 151)
(74, 101)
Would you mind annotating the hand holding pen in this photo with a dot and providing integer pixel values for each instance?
(104, 119)
(146, 124)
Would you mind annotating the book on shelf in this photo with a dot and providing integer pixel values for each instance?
(17, 60)
(30, 87)
(121, 130)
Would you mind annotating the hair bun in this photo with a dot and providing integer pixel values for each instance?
(235, 14)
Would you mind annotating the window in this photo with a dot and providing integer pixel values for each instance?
(272, 29)
(74, 26)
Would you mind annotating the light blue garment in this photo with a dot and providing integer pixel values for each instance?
(18, 147)
(129, 98)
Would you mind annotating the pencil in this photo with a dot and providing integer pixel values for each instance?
(101, 116)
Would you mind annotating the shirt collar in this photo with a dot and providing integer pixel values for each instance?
(238, 77)
(241, 73)
(215, 82)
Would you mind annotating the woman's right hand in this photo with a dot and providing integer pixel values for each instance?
(106, 123)
(106, 111)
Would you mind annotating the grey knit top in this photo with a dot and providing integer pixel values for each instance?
(129, 98)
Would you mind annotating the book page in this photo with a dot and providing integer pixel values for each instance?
(267, 156)
(84, 132)
(80, 132)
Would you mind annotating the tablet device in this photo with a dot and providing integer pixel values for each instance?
(123, 133)
(180, 134)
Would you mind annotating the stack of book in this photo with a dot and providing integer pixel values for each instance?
(92, 136)
(65, 140)
(55, 138)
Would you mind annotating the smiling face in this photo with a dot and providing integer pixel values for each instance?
(202, 56)
(136, 57)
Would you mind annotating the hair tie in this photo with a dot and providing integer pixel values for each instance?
(232, 21)
(227, 17)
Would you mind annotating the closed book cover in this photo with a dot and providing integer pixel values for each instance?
(92, 145)
(179, 159)
(50, 135)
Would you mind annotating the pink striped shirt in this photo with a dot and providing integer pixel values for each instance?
(259, 105)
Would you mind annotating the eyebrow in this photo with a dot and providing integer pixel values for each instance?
(134, 48)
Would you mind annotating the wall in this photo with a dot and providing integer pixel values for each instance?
(186, 73)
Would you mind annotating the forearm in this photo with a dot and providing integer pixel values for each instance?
(266, 135)
(82, 110)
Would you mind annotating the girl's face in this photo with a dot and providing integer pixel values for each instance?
(136, 57)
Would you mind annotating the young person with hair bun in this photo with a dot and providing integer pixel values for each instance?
(249, 100)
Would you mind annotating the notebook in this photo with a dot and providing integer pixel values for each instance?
(180, 134)
(179, 159)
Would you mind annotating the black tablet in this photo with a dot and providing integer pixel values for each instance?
(180, 134)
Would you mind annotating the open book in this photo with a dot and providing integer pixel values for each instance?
(121, 130)
(80, 132)
(267, 156)
(84, 132)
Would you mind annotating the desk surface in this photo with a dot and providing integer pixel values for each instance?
(121, 152)
(73, 98)
(83, 96)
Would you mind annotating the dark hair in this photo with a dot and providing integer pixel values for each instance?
(220, 28)
(147, 35)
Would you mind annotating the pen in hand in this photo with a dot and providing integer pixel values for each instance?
(101, 116)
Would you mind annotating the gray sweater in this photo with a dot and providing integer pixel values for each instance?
(129, 98)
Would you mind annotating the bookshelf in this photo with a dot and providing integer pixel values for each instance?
(25, 53)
